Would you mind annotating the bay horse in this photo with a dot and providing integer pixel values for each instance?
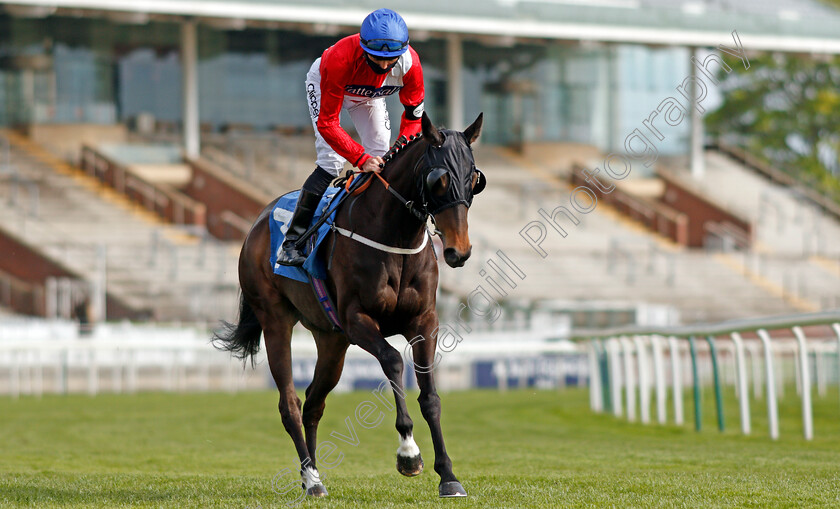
(378, 293)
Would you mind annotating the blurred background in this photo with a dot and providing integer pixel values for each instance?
(139, 142)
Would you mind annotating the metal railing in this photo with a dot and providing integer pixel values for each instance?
(167, 201)
(619, 364)
(117, 365)
(41, 356)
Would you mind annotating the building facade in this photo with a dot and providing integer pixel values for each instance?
(543, 70)
(93, 70)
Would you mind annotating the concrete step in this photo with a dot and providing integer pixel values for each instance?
(76, 216)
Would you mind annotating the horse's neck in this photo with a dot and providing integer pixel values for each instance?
(381, 214)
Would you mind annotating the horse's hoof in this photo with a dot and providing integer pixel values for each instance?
(409, 466)
(451, 489)
(319, 490)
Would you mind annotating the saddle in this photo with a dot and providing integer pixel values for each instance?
(314, 269)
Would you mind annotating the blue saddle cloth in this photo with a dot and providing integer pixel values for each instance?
(280, 217)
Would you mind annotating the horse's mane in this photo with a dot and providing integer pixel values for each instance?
(399, 148)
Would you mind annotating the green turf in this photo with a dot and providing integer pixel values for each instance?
(514, 449)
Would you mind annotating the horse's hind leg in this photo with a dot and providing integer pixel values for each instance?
(331, 350)
(277, 328)
(423, 349)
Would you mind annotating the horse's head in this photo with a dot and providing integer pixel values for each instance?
(450, 180)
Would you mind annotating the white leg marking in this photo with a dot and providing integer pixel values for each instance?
(408, 448)
(310, 477)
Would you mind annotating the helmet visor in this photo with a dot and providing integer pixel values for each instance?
(383, 45)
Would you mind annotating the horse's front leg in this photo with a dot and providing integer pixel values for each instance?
(364, 331)
(422, 335)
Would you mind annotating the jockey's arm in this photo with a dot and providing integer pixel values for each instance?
(329, 120)
(411, 97)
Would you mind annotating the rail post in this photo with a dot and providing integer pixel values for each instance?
(743, 391)
(629, 379)
(698, 422)
(716, 374)
(659, 374)
(807, 410)
(772, 408)
(644, 379)
(613, 347)
(606, 383)
(676, 380)
(596, 403)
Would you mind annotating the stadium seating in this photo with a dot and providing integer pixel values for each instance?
(797, 244)
(89, 228)
(606, 258)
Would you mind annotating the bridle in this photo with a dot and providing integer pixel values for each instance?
(449, 157)
(421, 213)
(356, 183)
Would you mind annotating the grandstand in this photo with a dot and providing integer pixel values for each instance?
(556, 98)
(158, 270)
(176, 274)
(609, 270)
(608, 257)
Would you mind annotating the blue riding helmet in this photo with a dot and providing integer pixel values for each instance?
(384, 34)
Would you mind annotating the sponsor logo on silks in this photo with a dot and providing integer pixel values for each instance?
(313, 100)
(418, 111)
(372, 92)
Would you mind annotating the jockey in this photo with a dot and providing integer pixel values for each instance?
(356, 74)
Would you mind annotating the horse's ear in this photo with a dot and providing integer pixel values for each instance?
(430, 132)
(474, 130)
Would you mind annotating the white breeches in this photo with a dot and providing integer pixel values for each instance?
(370, 117)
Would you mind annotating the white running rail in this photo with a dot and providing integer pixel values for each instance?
(618, 362)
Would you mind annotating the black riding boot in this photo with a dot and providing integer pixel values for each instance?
(305, 209)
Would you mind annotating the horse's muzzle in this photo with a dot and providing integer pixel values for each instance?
(455, 259)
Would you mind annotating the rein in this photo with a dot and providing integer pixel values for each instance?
(409, 204)
(400, 144)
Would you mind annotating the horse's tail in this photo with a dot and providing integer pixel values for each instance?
(243, 338)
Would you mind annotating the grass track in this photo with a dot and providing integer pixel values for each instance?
(514, 449)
